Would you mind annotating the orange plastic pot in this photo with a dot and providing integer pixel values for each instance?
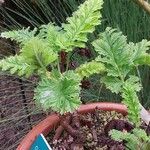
(51, 122)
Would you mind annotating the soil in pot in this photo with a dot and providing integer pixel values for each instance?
(94, 128)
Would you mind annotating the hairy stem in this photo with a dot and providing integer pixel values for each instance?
(60, 129)
(76, 120)
(73, 132)
(63, 60)
(68, 61)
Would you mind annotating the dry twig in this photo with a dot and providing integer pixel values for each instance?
(143, 4)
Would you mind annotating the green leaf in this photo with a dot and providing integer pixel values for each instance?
(119, 135)
(143, 60)
(146, 146)
(130, 99)
(141, 134)
(17, 65)
(111, 47)
(38, 53)
(112, 83)
(82, 22)
(118, 57)
(90, 68)
(20, 36)
(133, 82)
(137, 139)
(34, 57)
(137, 50)
(59, 93)
(132, 140)
(51, 33)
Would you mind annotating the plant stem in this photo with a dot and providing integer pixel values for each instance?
(76, 120)
(63, 56)
(60, 129)
(58, 65)
(74, 133)
(69, 129)
(68, 60)
(138, 72)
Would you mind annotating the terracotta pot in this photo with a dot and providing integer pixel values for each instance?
(52, 121)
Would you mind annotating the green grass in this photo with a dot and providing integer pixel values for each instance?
(135, 23)
(128, 17)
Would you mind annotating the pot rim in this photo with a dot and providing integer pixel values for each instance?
(51, 122)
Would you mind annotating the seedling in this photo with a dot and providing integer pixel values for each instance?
(59, 89)
(40, 49)
(121, 60)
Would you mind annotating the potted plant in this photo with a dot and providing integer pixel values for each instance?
(46, 51)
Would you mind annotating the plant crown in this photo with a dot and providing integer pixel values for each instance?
(40, 48)
(121, 59)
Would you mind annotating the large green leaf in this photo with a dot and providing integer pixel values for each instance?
(138, 139)
(136, 50)
(20, 36)
(60, 93)
(37, 52)
(143, 60)
(17, 65)
(82, 22)
(50, 33)
(130, 99)
(34, 57)
(90, 68)
(111, 47)
(120, 58)
(112, 83)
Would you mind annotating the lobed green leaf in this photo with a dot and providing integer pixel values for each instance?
(17, 65)
(130, 99)
(60, 93)
(38, 52)
(112, 83)
(20, 36)
(90, 68)
(82, 22)
(111, 49)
